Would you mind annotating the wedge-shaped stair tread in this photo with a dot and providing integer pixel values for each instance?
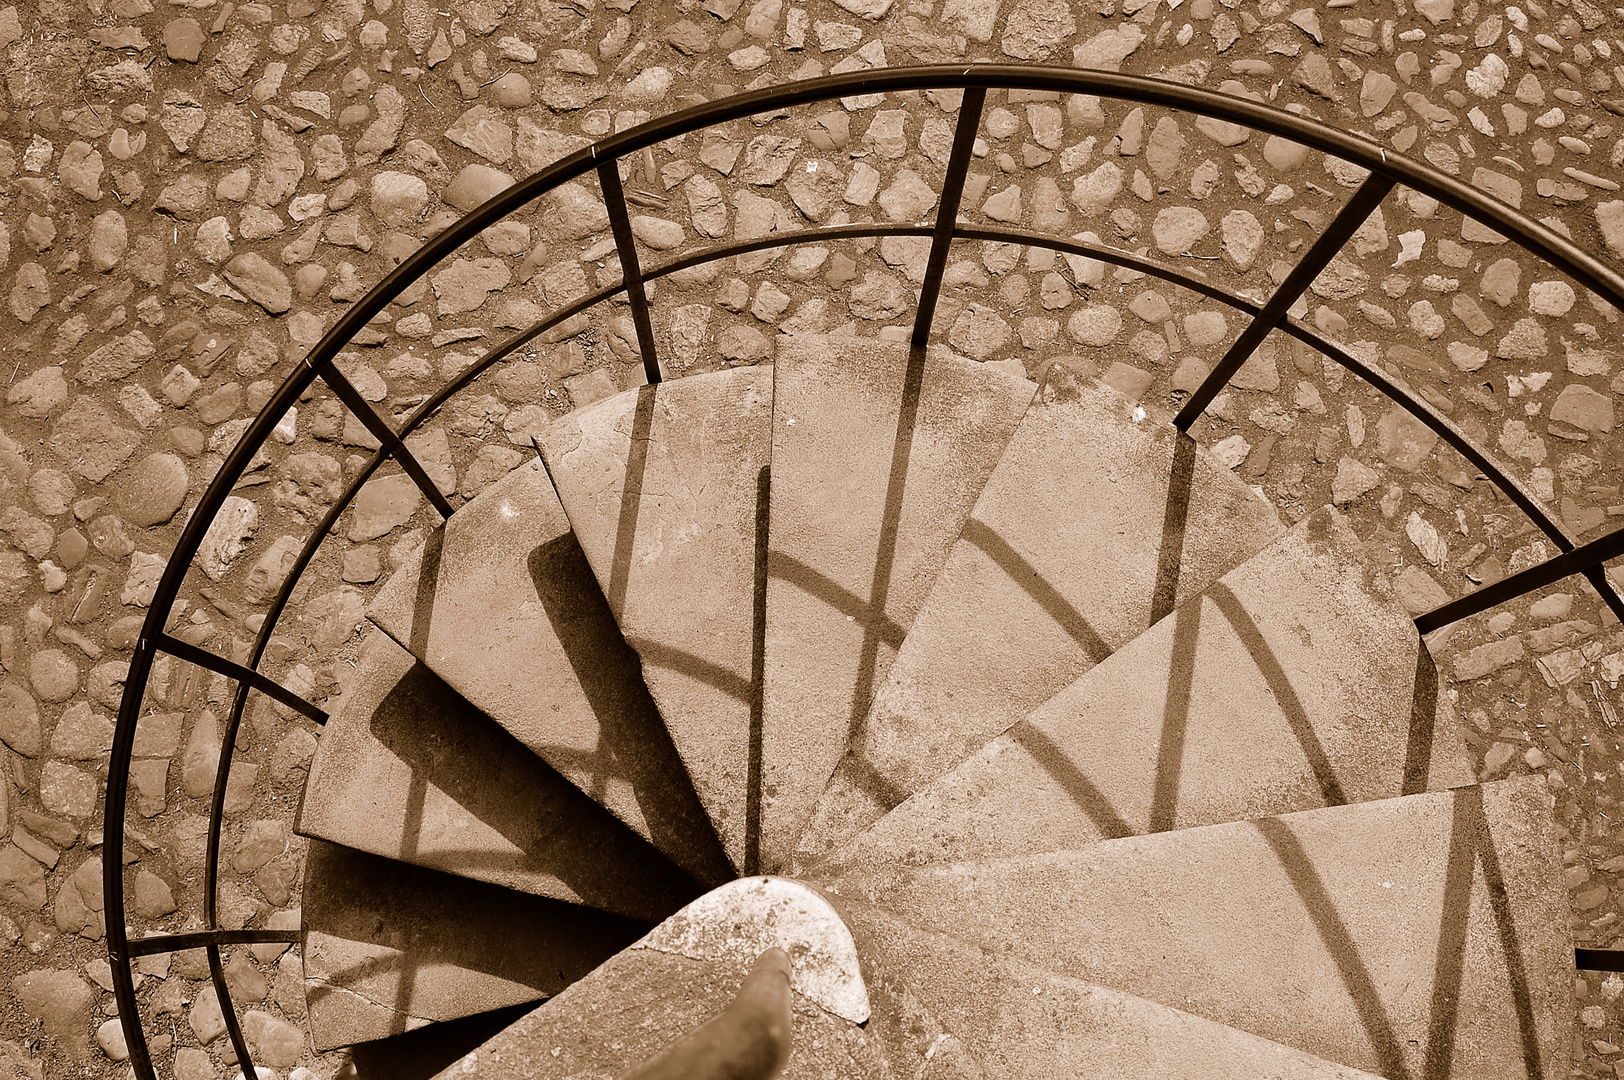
(1095, 522)
(1387, 935)
(509, 614)
(685, 972)
(1289, 684)
(666, 489)
(878, 455)
(1018, 1020)
(391, 947)
(409, 770)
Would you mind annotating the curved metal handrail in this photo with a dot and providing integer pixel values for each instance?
(603, 157)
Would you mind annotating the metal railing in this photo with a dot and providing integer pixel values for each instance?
(603, 159)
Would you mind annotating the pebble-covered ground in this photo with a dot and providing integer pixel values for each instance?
(191, 190)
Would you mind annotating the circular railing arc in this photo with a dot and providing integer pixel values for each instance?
(603, 158)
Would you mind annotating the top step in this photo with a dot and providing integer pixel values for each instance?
(501, 604)
(1015, 1019)
(1420, 936)
(1095, 523)
(666, 489)
(879, 452)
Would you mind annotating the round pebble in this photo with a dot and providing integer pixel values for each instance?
(154, 490)
(54, 676)
(1096, 325)
(1551, 298)
(512, 91)
(1177, 228)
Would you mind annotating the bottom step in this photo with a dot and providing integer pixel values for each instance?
(410, 770)
(390, 947)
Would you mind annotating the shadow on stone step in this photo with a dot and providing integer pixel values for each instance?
(418, 1055)
(633, 740)
(390, 946)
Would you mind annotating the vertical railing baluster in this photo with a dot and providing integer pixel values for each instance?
(211, 899)
(947, 214)
(385, 434)
(1324, 249)
(631, 275)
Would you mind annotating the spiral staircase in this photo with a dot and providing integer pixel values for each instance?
(1027, 730)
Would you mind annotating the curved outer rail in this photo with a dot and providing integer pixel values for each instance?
(602, 158)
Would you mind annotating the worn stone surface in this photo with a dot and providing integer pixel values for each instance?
(60, 1001)
(1262, 676)
(510, 604)
(386, 949)
(134, 184)
(835, 612)
(1021, 593)
(744, 918)
(154, 489)
(409, 770)
(657, 998)
(1019, 1019)
(260, 281)
(687, 606)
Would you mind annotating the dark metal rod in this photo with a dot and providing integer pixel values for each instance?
(375, 423)
(254, 679)
(1598, 959)
(1551, 570)
(196, 939)
(1320, 253)
(228, 1008)
(1597, 576)
(631, 276)
(118, 782)
(947, 214)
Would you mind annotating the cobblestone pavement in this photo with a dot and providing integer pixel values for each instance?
(190, 191)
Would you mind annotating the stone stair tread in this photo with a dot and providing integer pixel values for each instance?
(409, 770)
(1289, 684)
(390, 947)
(1096, 521)
(878, 454)
(665, 487)
(685, 972)
(510, 607)
(1017, 1019)
(1373, 935)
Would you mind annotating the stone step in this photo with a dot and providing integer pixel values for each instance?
(666, 489)
(1418, 936)
(409, 770)
(1289, 684)
(1015, 1019)
(1096, 521)
(685, 972)
(878, 455)
(511, 617)
(391, 947)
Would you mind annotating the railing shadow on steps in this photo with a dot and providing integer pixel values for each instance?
(603, 159)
